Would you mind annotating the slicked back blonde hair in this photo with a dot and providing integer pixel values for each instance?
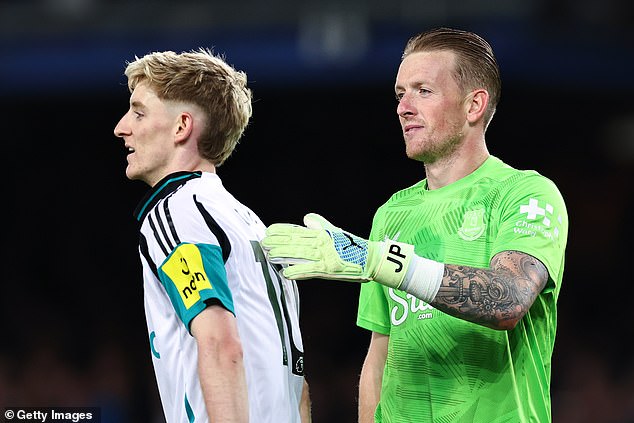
(476, 66)
(207, 81)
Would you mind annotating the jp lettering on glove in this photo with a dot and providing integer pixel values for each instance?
(321, 250)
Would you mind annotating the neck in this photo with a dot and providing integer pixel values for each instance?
(193, 163)
(449, 169)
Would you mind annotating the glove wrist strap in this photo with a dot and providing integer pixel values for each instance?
(391, 267)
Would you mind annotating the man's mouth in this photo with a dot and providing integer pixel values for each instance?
(409, 128)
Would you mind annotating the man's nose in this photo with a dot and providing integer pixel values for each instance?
(119, 129)
(404, 107)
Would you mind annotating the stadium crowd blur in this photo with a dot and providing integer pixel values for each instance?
(324, 138)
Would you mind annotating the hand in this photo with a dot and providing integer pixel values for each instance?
(322, 250)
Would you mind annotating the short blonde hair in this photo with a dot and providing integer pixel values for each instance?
(207, 81)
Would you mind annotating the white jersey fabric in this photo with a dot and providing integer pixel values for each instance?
(200, 246)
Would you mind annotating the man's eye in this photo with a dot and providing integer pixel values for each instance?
(138, 115)
(399, 96)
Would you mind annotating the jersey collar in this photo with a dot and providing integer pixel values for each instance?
(165, 187)
(489, 163)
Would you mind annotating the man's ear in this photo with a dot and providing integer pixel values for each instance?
(477, 104)
(184, 127)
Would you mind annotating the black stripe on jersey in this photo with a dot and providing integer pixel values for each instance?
(156, 235)
(161, 190)
(157, 216)
(215, 229)
(297, 356)
(170, 222)
(145, 252)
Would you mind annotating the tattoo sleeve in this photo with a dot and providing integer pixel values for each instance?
(497, 297)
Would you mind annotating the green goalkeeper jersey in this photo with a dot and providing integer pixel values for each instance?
(443, 369)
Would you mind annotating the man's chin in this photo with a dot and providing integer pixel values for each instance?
(420, 156)
(132, 175)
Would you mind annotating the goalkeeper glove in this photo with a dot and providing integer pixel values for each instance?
(322, 250)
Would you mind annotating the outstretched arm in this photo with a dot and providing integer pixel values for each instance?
(496, 297)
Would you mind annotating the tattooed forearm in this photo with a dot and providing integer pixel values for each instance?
(496, 297)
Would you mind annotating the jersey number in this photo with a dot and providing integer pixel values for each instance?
(281, 314)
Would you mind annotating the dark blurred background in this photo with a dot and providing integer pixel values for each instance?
(322, 72)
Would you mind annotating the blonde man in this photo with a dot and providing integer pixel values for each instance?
(223, 323)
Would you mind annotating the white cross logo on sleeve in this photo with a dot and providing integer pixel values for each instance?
(532, 209)
(533, 212)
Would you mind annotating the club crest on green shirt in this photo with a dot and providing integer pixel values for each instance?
(473, 225)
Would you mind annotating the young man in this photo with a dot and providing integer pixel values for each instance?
(465, 267)
(223, 324)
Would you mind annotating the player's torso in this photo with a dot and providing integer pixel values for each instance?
(431, 354)
(455, 228)
(266, 305)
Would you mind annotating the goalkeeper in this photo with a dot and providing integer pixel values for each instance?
(462, 271)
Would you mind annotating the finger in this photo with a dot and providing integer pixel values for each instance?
(315, 221)
(284, 252)
(287, 260)
(314, 270)
(288, 229)
(301, 271)
(285, 240)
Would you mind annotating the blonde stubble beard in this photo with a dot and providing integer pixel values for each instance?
(442, 153)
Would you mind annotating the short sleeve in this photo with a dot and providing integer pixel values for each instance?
(533, 219)
(193, 274)
(373, 311)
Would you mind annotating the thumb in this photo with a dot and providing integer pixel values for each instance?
(315, 221)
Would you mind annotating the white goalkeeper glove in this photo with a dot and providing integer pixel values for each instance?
(322, 250)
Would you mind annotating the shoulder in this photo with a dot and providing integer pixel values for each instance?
(505, 171)
(527, 198)
(405, 194)
(187, 210)
(527, 184)
(517, 183)
(167, 188)
(196, 195)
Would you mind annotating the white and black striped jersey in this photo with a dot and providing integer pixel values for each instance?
(198, 246)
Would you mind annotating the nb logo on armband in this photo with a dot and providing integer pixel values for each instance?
(188, 290)
(186, 271)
